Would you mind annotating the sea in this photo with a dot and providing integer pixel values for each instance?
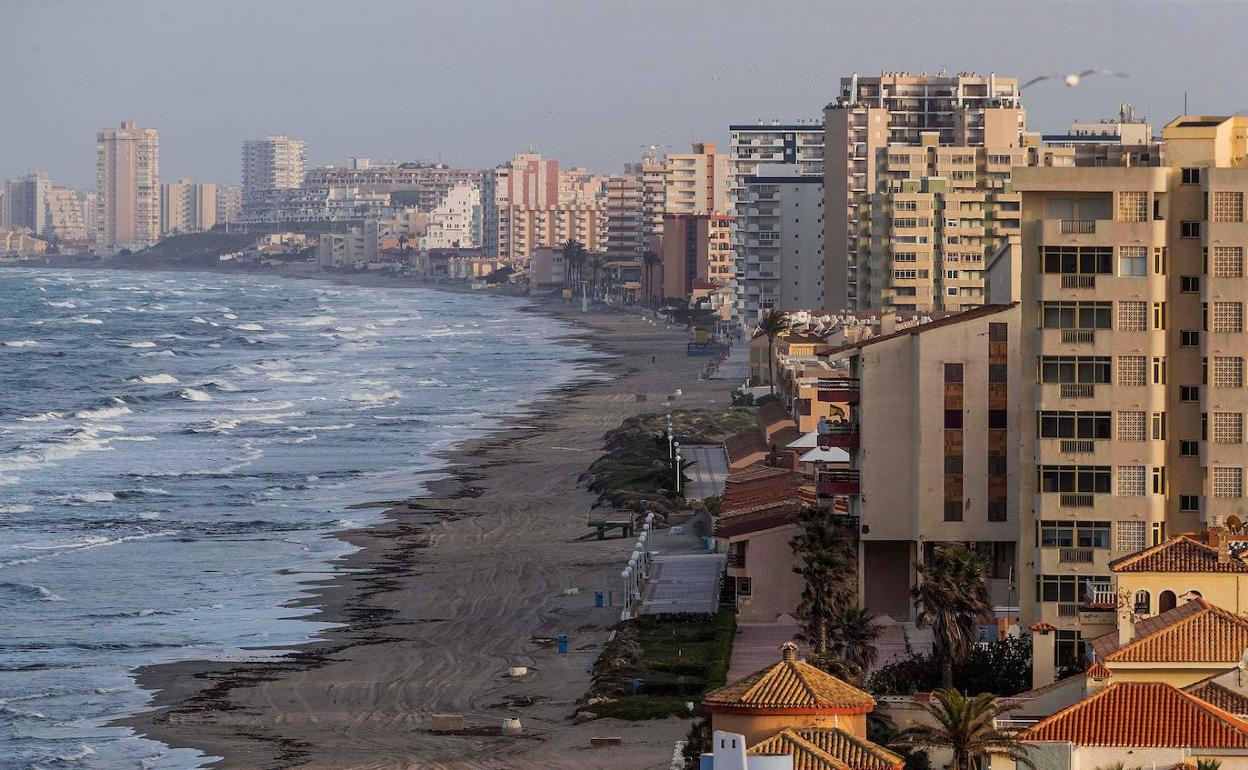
(176, 450)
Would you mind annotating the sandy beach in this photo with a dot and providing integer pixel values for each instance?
(453, 589)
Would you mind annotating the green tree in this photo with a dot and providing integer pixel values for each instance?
(597, 262)
(854, 633)
(649, 261)
(773, 325)
(951, 596)
(574, 255)
(966, 727)
(829, 574)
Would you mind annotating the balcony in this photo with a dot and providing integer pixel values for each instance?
(838, 482)
(843, 434)
(1079, 336)
(1080, 226)
(1073, 500)
(1078, 281)
(1076, 555)
(1077, 390)
(1100, 596)
(1078, 446)
(838, 391)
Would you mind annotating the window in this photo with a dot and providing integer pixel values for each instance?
(953, 372)
(953, 419)
(1159, 315)
(1088, 260)
(905, 275)
(1132, 206)
(1075, 478)
(1189, 338)
(1228, 206)
(1159, 480)
(998, 419)
(1132, 370)
(1129, 536)
(1132, 316)
(1228, 482)
(1189, 229)
(1189, 503)
(1189, 449)
(1228, 261)
(1132, 261)
(1077, 315)
(1131, 480)
(1067, 650)
(1073, 425)
(1189, 284)
(1190, 175)
(1081, 369)
(1071, 534)
(1159, 370)
(1228, 372)
(1064, 588)
(905, 256)
(1131, 426)
(1228, 428)
(744, 586)
(1159, 426)
(1228, 317)
(1189, 393)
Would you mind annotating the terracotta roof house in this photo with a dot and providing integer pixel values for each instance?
(745, 449)
(1141, 722)
(1228, 691)
(792, 708)
(1194, 641)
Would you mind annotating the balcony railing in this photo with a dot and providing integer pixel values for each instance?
(1067, 610)
(838, 391)
(1077, 501)
(1075, 555)
(1077, 390)
(1078, 336)
(839, 434)
(1078, 446)
(1079, 226)
(1078, 281)
(837, 482)
(1100, 595)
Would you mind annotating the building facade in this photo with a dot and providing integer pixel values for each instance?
(781, 224)
(128, 185)
(26, 204)
(698, 260)
(697, 182)
(275, 162)
(187, 207)
(456, 222)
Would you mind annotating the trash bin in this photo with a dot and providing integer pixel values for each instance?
(562, 641)
(599, 599)
(638, 683)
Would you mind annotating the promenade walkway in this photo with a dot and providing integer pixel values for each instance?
(709, 469)
(686, 582)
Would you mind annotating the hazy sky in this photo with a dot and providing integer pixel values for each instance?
(585, 82)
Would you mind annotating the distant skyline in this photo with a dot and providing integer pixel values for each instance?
(587, 83)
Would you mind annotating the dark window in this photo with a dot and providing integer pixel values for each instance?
(998, 372)
(1189, 229)
(996, 510)
(1189, 393)
(953, 418)
(953, 510)
(1189, 449)
(997, 419)
(1067, 649)
(1081, 369)
(1189, 503)
(1189, 338)
(953, 465)
(998, 332)
(1189, 284)
(997, 465)
(953, 372)
(1086, 425)
(1190, 175)
(1087, 479)
(1090, 260)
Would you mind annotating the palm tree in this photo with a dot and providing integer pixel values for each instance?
(573, 258)
(967, 727)
(650, 260)
(773, 324)
(597, 261)
(853, 638)
(951, 596)
(829, 572)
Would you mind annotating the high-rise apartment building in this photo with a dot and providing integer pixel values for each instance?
(528, 203)
(187, 207)
(229, 204)
(65, 221)
(781, 224)
(697, 182)
(25, 202)
(275, 162)
(799, 145)
(635, 204)
(456, 223)
(1133, 278)
(698, 260)
(127, 172)
(874, 115)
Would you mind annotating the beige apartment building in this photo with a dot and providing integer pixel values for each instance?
(127, 172)
(873, 116)
(940, 404)
(1132, 290)
(187, 207)
(698, 260)
(697, 182)
(635, 203)
(528, 228)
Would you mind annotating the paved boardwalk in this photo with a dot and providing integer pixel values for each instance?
(757, 645)
(683, 583)
(709, 469)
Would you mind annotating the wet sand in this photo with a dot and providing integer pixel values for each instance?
(453, 589)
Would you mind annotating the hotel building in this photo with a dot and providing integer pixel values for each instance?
(127, 172)
(275, 162)
(187, 207)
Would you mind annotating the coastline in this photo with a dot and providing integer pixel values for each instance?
(448, 591)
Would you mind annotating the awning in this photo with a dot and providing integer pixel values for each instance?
(828, 455)
(808, 441)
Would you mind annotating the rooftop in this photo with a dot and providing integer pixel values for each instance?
(827, 748)
(1142, 714)
(1182, 553)
(790, 684)
(1216, 691)
(1193, 632)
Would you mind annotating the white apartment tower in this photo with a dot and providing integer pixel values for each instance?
(275, 162)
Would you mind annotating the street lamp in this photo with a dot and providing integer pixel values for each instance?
(678, 470)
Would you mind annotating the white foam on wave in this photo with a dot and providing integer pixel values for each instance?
(290, 377)
(82, 319)
(316, 320)
(60, 303)
(149, 515)
(191, 394)
(95, 541)
(141, 344)
(362, 397)
(198, 320)
(88, 498)
(311, 428)
(229, 316)
(102, 414)
(248, 328)
(44, 417)
(155, 379)
(21, 344)
(83, 752)
(14, 508)
(262, 406)
(166, 353)
(86, 440)
(274, 336)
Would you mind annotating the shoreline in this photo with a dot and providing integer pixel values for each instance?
(292, 711)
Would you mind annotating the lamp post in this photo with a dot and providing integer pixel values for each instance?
(678, 470)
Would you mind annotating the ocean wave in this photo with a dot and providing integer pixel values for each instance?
(290, 377)
(94, 541)
(316, 320)
(88, 498)
(44, 417)
(274, 336)
(102, 414)
(142, 344)
(34, 591)
(198, 320)
(11, 710)
(222, 385)
(262, 406)
(190, 394)
(165, 353)
(64, 303)
(310, 428)
(9, 508)
(229, 316)
(82, 319)
(155, 379)
(363, 397)
(21, 344)
(82, 753)
(248, 328)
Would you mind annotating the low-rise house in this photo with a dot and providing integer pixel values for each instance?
(796, 711)
(745, 449)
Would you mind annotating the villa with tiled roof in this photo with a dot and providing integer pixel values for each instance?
(1189, 643)
(1228, 691)
(792, 708)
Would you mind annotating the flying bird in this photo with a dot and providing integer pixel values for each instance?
(1073, 79)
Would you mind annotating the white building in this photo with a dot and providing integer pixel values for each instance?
(355, 248)
(187, 207)
(799, 145)
(273, 163)
(781, 223)
(456, 222)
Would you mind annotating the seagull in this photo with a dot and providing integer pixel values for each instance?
(1073, 79)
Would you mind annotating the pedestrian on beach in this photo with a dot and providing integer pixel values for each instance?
(652, 359)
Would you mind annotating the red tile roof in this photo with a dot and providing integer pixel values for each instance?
(827, 748)
(1098, 670)
(1178, 554)
(759, 518)
(745, 444)
(790, 684)
(1143, 714)
(1201, 633)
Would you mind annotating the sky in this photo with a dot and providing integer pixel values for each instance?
(587, 82)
